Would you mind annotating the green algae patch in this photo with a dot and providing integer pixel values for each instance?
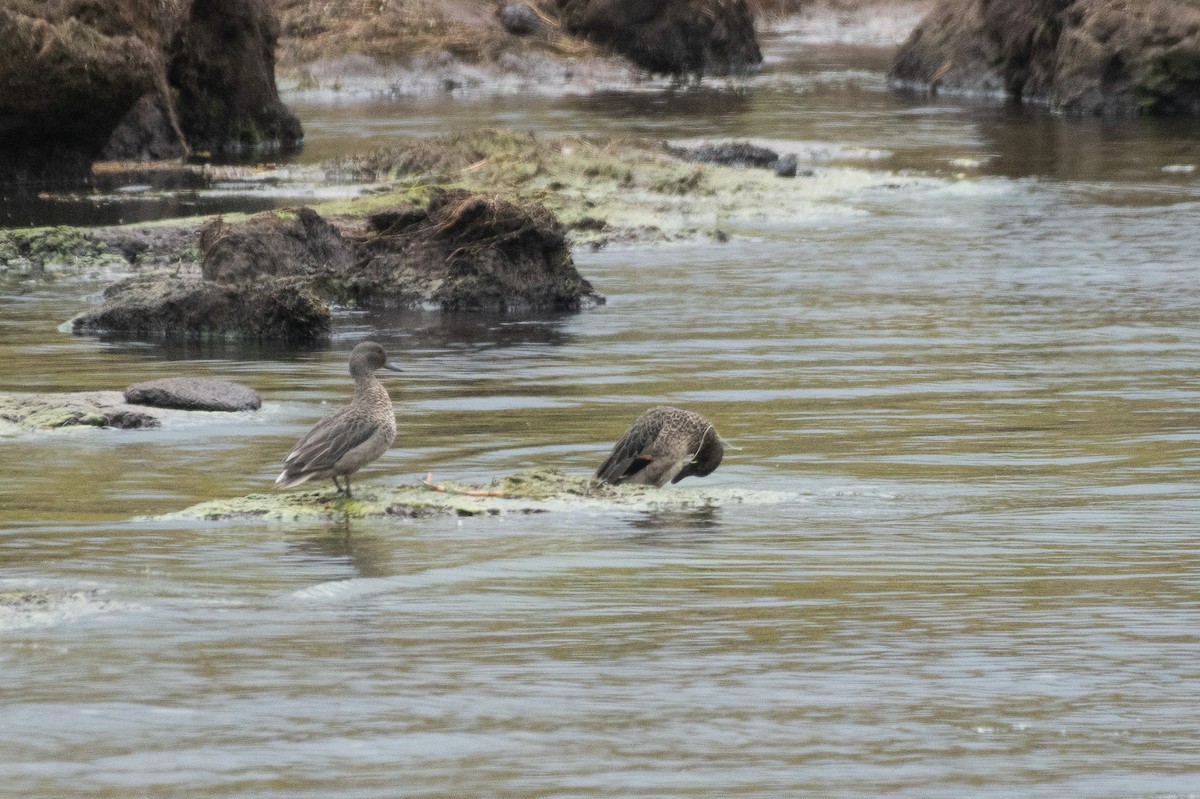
(51, 411)
(536, 491)
(27, 251)
(607, 190)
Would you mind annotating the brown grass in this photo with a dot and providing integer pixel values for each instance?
(394, 31)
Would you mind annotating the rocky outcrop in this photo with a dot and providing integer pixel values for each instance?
(467, 252)
(194, 394)
(134, 79)
(273, 276)
(24, 412)
(165, 305)
(221, 69)
(536, 491)
(1106, 57)
(272, 245)
(676, 37)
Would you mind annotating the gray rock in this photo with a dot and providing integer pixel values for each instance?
(730, 153)
(520, 19)
(785, 167)
(194, 394)
(271, 308)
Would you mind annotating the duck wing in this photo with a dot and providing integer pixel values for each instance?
(330, 439)
(631, 454)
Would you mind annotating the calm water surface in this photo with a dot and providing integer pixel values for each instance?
(983, 393)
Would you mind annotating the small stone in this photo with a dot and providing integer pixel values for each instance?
(785, 167)
(194, 394)
(520, 19)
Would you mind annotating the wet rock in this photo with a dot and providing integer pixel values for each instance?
(146, 132)
(520, 19)
(537, 491)
(736, 154)
(165, 305)
(194, 394)
(269, 245)
(162, 76)
(271, 276)
(677, 37)
(223, 72)
(1106, 57)
(785, 167)
(87, 409)
(467, 252)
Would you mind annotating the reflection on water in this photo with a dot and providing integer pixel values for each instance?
(983, 391)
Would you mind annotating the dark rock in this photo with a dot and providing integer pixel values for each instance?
(223, 71)
(785, 167)
(194, 394)
(270, 277)
(1106, 57)
(146, 132)
(471, 253)
(120, 419)
(270, 244)
(736, 154)
(168, 306)
(676, 37)
(397, 219)
(140, 79)
(590, 223)
(520, 19)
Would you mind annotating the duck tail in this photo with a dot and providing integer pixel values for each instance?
(287, 479)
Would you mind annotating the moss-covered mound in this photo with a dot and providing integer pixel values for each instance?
(26, 412)
(537, 491)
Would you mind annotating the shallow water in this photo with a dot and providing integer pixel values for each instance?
(982, 390)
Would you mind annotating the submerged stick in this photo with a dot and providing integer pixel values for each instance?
(466, 492)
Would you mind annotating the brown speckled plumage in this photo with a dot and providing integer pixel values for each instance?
(341, 444)
(662, 444)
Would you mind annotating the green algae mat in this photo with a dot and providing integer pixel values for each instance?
(540, 491)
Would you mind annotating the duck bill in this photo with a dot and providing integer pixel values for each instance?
(392, 367)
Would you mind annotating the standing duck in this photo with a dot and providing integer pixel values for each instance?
(663, 444)
(341, 444)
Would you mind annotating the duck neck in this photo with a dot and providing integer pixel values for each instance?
(366, 384)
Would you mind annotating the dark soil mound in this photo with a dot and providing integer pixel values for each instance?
(270, 244)
(468, 252)
(134, 79)
(677, 37)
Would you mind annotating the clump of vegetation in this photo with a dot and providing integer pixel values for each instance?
(394, 31)
(40, 250)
